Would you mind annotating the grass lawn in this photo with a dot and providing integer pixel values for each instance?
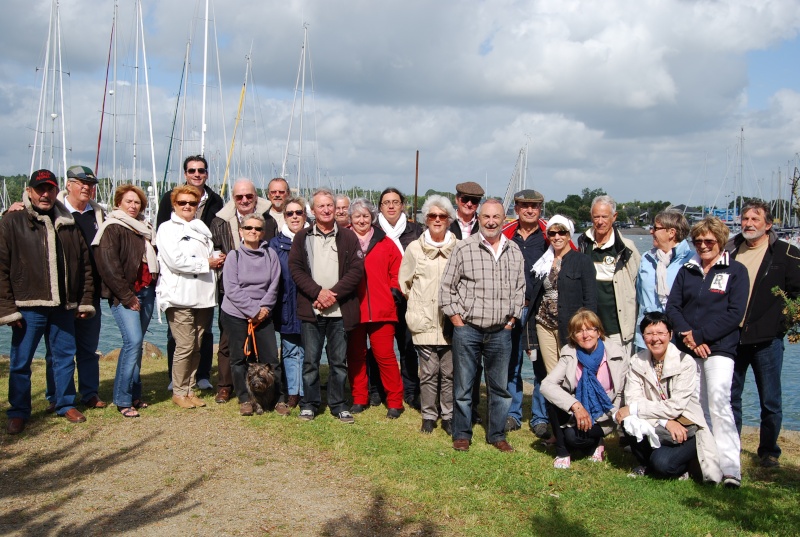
(484, 492)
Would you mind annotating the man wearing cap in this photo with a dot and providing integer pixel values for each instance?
(45, 283)
(528, 233)
(616, 261)
(195, 171)
(468, 197)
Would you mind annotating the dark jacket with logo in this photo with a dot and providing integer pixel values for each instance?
(764, 319)
(29, 264)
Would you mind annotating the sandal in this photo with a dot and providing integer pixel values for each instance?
(129, 412)
(138, 404)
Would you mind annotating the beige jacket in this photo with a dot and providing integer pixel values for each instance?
(420, 277)
(559, 386)
(679, 382)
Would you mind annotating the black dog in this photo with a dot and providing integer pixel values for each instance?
(261, 387)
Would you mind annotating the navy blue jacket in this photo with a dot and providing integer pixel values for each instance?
(288, 322)
(710, 305)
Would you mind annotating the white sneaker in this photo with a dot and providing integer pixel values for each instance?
(306, 415)
(203, 384)
(169, 388)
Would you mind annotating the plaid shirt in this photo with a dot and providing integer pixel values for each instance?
(486, 293)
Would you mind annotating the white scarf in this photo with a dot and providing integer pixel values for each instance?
(394, 232)
(429, 241)
(662, 289)
(285, 230)
(542, 267)
(140, 227)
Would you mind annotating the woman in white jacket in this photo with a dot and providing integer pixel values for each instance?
(186, 290)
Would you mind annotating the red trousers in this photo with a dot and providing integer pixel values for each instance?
(381, 339)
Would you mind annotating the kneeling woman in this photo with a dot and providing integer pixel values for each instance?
(585, 389)
(251, 278)
(661, 388)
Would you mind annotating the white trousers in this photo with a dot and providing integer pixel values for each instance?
(714, 378)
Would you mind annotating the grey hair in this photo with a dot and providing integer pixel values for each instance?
(244, 181)
(360, 204)
(440, 202)
(254, 216)
(605, 200)
(341, 197)
(673, 219)
(321, 192)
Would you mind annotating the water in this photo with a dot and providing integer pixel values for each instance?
(157, 334)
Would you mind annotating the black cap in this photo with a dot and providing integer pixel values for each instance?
(43, 177)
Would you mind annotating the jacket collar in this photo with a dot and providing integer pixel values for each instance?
(431, 252)
(672, 362)
(723, 261)
(62, 217)
(228, 212)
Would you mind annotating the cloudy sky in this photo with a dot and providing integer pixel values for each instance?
(643, 98)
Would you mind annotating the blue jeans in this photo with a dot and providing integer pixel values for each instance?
(470, 344)
(132, 326)
(538, 407)
(515, 368)
(59, 325)
(767, 361)
(314, 335)
(87, 336)
(292, 357)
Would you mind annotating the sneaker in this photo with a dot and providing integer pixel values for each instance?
(204, 384)
(169, 387)
(562, 463)
(541, 430)
(357, 409)
(307, 415)
(599, 454)
(768, 461)
(684, 476)
(640, 471)
(512, 424)
(283, 409)
(394, 413)
(346, 417)
(731, 482)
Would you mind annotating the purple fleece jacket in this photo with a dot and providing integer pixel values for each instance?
(251, 279)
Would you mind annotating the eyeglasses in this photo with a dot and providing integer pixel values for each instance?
(253, 228)
(240, 197)
(391, 203)
(657, 228)
(470, 199)
(80, 184)
(183, 203)
(652, 335)
(201, 171)
(298, 212)
(704, 242)
(435, 216)
(277, 192)
(586, 331)
(560, 233)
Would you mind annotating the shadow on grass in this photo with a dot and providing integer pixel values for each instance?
(554, 522)
(34, 473)
(377, 521)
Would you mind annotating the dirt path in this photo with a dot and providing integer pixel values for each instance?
(156, 477)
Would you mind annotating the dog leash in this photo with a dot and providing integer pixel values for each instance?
(251, 335)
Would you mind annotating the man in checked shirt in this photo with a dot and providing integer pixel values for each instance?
(483, 292)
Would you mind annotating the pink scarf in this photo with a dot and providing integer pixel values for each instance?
(364, 241)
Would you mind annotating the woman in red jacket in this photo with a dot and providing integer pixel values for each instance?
(378, 313)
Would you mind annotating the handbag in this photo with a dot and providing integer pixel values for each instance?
(666, 437)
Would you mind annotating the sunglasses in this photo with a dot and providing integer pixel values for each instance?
(298, 212)
(560, 233)
(433, 216)
(183, 203)
(201, 171)
(240, 197)
(470, 199)
(251, 228)
(704, 242)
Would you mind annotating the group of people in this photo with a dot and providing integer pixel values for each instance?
(654, 346)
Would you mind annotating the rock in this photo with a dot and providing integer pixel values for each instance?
(149, 351)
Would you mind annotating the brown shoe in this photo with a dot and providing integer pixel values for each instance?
(50, 408)
(74, 415)
(503, 446)
(246, 408)
(283, 409)
(196, 401)
(223, 395)
(293, 401)
(462, 444)
(182, 401)
(15, 425)
(95, 402)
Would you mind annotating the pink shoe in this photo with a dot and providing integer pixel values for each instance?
(599, 454)
(562, 462)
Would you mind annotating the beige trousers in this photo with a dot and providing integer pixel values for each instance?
(187, 326)
(549, 348)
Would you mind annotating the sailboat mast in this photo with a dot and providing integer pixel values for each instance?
(136, 91)
(153, 183)
(302, 103)
(61, 98)
(42, 97)
(103, 108)
(114, 106)
(205, 74)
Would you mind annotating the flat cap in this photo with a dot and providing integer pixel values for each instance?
(529, 195)
(82, 173)
(470, 188)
